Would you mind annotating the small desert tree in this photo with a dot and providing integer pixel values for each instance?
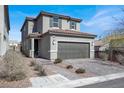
(115, 37)
(13, 66)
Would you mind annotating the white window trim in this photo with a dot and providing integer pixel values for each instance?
(55, 22)
(73, 25)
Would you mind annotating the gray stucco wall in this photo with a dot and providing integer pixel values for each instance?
(44, 47)
(55, 39)
(4, 35)
(26, 43)
(39, 26)
(43, 24)
(66, 25)
(30, 26)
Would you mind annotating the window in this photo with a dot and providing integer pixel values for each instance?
(72, 25)
(55, 22)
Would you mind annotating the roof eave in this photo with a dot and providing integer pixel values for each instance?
(75, 35)
(26, 19)
(43, 13)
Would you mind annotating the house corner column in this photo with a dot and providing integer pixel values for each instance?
(53, 48)
(92, 51)
(32, 48)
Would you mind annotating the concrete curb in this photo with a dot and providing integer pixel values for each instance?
(88, 81)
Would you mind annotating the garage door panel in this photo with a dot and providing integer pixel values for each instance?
(67, 50)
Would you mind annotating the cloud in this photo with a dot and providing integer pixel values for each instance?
(102, 19)
(99, 14)
(20, 13)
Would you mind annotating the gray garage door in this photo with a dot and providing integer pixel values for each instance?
(68, 50)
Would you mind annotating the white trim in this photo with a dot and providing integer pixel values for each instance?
(92, 50)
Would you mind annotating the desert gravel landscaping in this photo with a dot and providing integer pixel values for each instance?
(91, 68)
(24, 82)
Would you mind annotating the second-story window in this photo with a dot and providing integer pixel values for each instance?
(72, 25)
(55, 22)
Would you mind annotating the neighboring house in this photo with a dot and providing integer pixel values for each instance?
(100, 45)
(14, 44)
(100, 48)
(4, 29)
(54, 36)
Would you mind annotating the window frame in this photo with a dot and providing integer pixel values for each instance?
(73, 26)
(55, 22)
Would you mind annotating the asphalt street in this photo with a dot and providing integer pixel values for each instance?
(117, 83)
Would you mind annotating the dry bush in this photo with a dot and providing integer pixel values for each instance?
(58, 60)
(13, 67)
(32, 63)
(69, 67)
(103, 56)
(120, 59)
(39, 67)
(80, 70)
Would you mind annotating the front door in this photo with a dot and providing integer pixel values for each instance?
(35, 47)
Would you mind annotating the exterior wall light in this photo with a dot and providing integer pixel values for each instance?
(92, 44)
(53, 42)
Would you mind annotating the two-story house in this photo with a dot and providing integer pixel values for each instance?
(54, 36)
(4, 29)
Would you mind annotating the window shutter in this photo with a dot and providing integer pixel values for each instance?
(75, 25)
(60, 23)
(51, 22)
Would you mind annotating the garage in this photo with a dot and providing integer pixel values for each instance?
(71, 50)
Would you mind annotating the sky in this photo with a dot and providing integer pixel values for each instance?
(97, 19)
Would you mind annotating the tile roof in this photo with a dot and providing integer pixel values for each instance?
(34, 35)
(61, 32)
(98, 43)
(70, 32)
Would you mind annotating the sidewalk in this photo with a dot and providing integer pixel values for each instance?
(37, 82)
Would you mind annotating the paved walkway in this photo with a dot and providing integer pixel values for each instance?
(102, 71)
(47, 81)
(97, 67)
(93, 67)
(64, 72)
(59, 70)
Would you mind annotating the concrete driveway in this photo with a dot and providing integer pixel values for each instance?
(97, 67)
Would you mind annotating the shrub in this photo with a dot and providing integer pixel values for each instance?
(58, 60)
(39, 68)
(69, 67)
(80, 70)
(120, 59)
(32, 63)
(103, 56)
(13, 67)
(16, 76)
(42, 73)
